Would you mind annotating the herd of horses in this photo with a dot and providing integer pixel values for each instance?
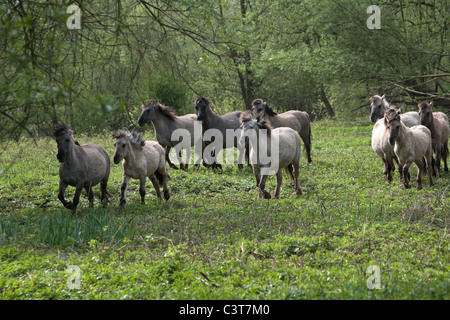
(403, 138)
(409, 137)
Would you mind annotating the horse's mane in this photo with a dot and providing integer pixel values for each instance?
(60, 129)
(423, 105)
(167, 111)
(267, 109)
(202, 99)
(391, 114)
(263, 124)
(134, 137)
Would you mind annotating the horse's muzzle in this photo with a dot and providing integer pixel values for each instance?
(116, 160)
(60, 157)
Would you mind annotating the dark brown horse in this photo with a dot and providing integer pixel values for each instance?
(437, 122)
(226, 125)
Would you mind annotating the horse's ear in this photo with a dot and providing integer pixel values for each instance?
(383, 97)
(430, 104)
(399, 111)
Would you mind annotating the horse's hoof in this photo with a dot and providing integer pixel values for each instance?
(240, 166)
(166, 195)
(122, 203)
(299, 192)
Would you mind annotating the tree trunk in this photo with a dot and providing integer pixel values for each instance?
(327, 103)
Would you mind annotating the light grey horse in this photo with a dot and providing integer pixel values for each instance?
(285, 139)
(165, 122)
(81, 167)
(229, 121)
(410, 145)
(379, 106)
(295, 119)
(141, 159)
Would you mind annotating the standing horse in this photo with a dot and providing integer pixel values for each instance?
(295, 119)
(81, 167)
(165, 122)
(141, 159)
(227, 122)
(288, 156)
(437, 122)
(410, 145)
(379, 106)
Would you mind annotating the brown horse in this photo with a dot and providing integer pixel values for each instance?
(226, 126)
(410, 145)
(141, 159)
(437, 122)
(81, 167)
(295, 119)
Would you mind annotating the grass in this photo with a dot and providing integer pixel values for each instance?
(215, 240)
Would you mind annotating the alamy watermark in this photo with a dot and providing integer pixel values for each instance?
(74, 280)
(374, 21)
(374, 281)
(220, 148)
(74, 21)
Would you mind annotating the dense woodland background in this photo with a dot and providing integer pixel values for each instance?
(317, 56)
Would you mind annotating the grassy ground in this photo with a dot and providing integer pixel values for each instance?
(215, 240)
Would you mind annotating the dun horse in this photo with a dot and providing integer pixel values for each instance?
(437, 122)
(288, 155)
(410, 145)
(141, 159)
(211, 120)
(81, 167)
(295, 119)
(165, 122)
(379, 106)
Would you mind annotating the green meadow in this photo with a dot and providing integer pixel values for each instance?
(214, 239)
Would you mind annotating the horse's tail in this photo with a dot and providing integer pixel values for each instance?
(160, 178)
(308, 145)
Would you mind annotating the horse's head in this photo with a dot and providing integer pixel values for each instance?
(250, 126)
(123, 138)
(426, 113)
(148, 112)
(200, 108)
(392, 122)
(258, 108)
(64, 138)
(378, 107)
(120, 145)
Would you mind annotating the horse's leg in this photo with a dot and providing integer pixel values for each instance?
(389, 168)
(171, 164)
(262, 185)
(142, 188)
(279, 180)
(123, 189)
(307, 141)
(289, 171)
(295, 176)
(103, 191)
(428, 157)
(438, 162)
(445, 155)
(240, 159)
(420, 166)
(165, 188)
(90, 195)
(76, 197)
(62, 190)
(155, 183)
(406, 175)
(257, 174)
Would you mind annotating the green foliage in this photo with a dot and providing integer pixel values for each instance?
(170, 92)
